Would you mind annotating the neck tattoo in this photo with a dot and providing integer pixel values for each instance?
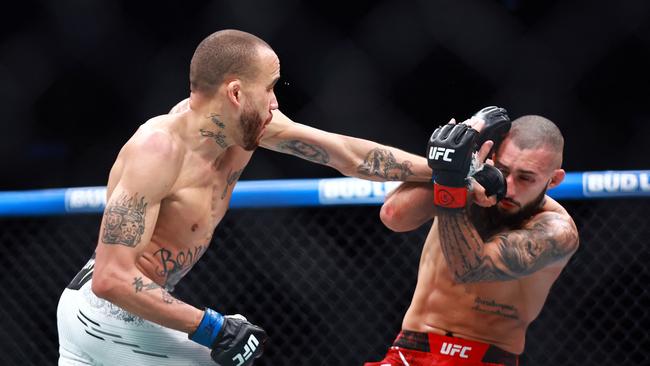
(218, 137)
(215, 119)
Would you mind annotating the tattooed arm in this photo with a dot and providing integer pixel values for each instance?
(547, 238)
(142, 176)
(351, 156)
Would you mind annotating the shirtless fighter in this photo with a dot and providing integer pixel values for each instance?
(168, 190)
(486, 267)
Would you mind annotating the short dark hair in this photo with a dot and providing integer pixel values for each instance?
(534, 132)
(224, 53)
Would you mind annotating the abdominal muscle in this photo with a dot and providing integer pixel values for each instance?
(489, 312)
(183, 232)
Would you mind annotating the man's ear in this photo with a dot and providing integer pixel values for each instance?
(233, 91)
(557, 178)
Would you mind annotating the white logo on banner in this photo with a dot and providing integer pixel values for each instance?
(85, 199)
(615, 183)
(353, 191)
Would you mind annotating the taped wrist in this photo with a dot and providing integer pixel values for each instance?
(449, 197)
(208, 329)
(452, 193)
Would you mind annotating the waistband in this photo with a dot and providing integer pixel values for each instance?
(84, 275)
(451, 346)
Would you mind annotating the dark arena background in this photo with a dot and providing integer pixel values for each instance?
(330, 284)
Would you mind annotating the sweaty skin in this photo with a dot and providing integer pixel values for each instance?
(486, 271)
(171, 185)
(189, 213)
(495, 312)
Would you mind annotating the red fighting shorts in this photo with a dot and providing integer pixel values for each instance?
(426, 349)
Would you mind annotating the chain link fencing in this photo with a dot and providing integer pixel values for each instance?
(331, 285)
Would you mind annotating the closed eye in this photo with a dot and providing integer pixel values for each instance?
(272, 85)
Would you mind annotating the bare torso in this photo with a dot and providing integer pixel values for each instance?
(191, 211)
(492, 312)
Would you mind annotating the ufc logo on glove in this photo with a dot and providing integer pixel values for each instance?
(234, 340)
(436, 152)
(249, 348)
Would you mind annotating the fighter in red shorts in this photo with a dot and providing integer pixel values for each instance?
(494, 249)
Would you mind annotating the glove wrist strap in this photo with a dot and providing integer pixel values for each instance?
(208, 329)
(449, 197)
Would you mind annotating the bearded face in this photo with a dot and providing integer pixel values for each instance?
(251, 126)
(515, 218)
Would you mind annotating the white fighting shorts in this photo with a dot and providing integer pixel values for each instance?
(93, 331)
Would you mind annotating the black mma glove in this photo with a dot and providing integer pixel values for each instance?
(492, 180)
(449, 154)
(233, 339)
(497, 125)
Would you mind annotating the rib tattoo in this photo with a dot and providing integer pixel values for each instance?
(304, 150)
(124, 221)
(173, 265)
(545, 239)
(382, 163)
(491, 306)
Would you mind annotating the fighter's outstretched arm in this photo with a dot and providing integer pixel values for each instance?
(547, 238)
(149, 165)
(351, 156)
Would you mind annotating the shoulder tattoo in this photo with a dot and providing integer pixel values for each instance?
(543, 241)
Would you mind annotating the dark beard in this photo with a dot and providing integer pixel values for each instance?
(491, 218)
(251, 124)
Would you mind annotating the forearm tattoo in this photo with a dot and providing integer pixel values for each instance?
(124, 221)
(218, 137)
(306, 151)
(230, 180)
(518, 252)
(140, 286)
(382, 163)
